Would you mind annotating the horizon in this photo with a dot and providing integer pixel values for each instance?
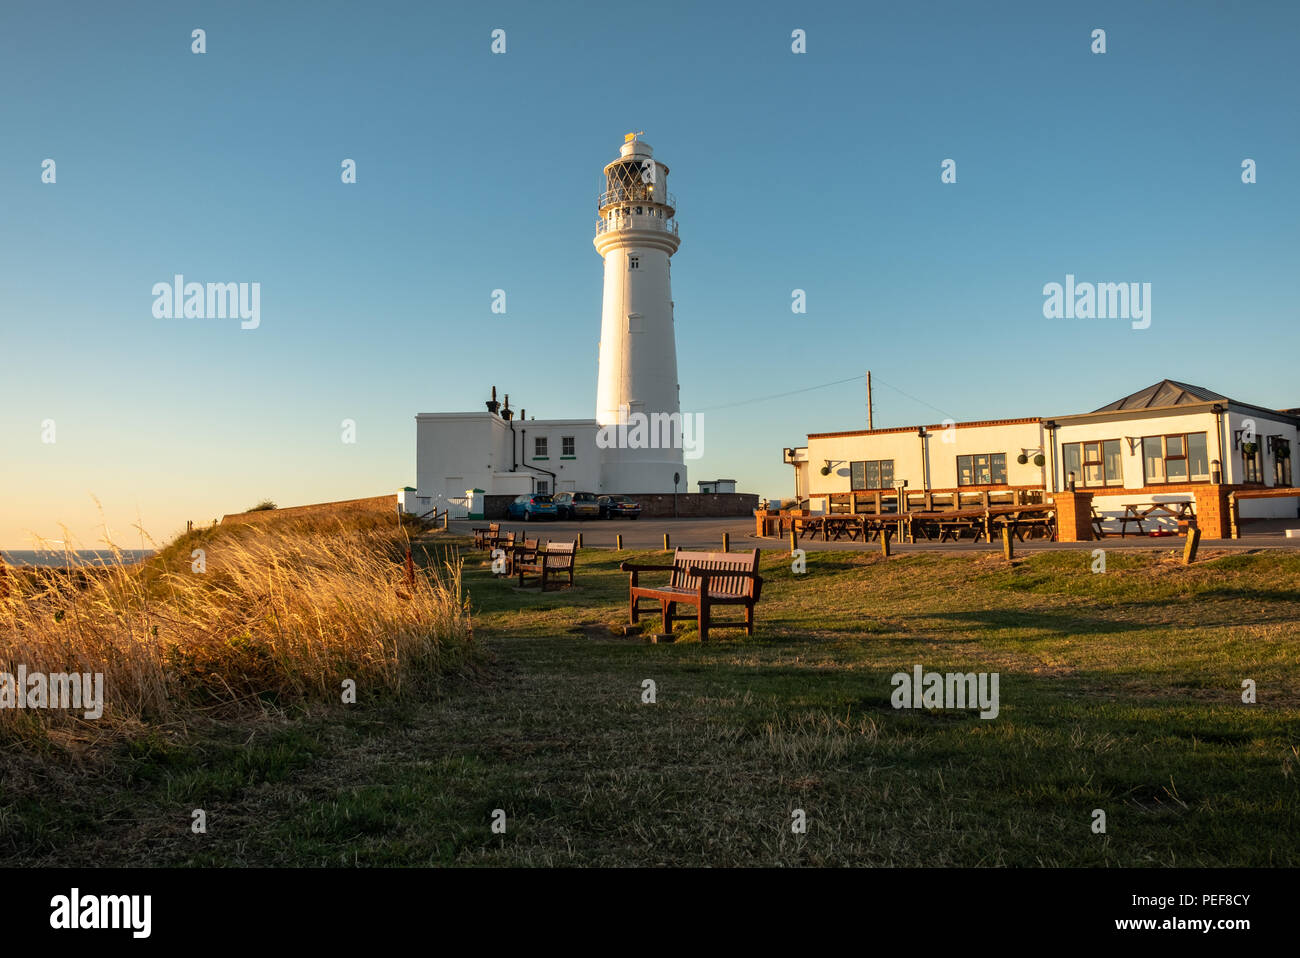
(475, 172)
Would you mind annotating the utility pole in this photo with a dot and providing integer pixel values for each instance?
(871, 419)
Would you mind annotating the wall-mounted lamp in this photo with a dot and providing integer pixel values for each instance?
(1133, 443)
(1071, 484)
(1216, 471)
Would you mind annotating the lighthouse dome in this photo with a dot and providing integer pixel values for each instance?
(635, 147)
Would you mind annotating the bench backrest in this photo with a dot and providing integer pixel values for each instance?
(559, 555)
(719, 561)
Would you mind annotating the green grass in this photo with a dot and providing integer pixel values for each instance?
(1119, 691)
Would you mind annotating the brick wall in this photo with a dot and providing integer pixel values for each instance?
(1073, 516)
(689, 505)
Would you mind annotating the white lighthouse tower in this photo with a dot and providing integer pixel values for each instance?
(636, 233)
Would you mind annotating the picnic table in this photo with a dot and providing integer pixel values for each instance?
(1139, 512)
(980, 522)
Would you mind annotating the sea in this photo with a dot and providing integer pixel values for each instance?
(82, 557)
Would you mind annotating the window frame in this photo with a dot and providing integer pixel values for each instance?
(1081, 476)
(1185, 457)
(880, 478)
(992, 473)
(541, 447)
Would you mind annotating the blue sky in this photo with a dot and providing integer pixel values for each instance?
(476, 171)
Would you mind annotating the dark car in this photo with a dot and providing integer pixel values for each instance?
(619, 507)
(577, 505)
(532, 506)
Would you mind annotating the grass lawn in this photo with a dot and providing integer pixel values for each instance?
(1119, 691)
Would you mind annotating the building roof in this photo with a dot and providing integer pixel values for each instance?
(1167, 392)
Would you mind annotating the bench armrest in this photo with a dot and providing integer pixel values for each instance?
(634, 567)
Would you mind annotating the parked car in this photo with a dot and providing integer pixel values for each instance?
(532, 505)
(577, 505)
(620, 507)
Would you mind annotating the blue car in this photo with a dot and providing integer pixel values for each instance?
(531, 506)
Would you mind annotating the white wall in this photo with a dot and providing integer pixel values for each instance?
(460, 451)
(942, 447)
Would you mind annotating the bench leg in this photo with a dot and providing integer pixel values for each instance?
(668, 609)
(632, 610)
(749, 620)
(703, 621)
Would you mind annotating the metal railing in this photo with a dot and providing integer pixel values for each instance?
(610, 224)
(635, 196)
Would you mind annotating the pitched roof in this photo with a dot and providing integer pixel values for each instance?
(1167, 392)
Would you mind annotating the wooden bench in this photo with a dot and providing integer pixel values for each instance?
(556, 559)
(701, 579)
(483, 536)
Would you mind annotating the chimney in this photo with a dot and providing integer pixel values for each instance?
(506, 414)
(492, 404)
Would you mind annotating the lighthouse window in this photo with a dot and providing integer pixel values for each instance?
(633, 262)
(640, 211)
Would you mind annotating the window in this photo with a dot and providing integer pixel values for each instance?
(634, 262)
(567, 446)
(539, 447)
(634, 322)
(873, 474)
(1252, 461)
(1094, 463)
(543, 487)
(984, 469)
(1182, 457)
(1281, 461)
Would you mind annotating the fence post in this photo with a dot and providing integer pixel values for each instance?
(579, 540)
(618, 542)
(1192, 544)
(794, 538)
(1008, 550)
(667, 547)
(726, 542)
(884, 542)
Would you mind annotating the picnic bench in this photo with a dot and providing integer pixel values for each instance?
(556, 559)
(1139, 512)
(481, 536)
(701, 579)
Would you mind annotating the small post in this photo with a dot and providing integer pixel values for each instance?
(445, 514)
(579, 540)
(794, 538)
(618, 542)
(726, 542)
(884, 542)
(667, 547)
(1008, 550)
(189, 525)
(1192, 544)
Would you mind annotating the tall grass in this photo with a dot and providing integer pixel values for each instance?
(228, 619)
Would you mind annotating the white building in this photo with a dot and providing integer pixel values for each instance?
(459, 455)
(1156, 445)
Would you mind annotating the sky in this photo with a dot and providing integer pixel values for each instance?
(818, 171)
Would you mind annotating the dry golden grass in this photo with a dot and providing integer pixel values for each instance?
(261, 616)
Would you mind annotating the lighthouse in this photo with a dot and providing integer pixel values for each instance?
(637, 400)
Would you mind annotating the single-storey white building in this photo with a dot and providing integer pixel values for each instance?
(1155, 445)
